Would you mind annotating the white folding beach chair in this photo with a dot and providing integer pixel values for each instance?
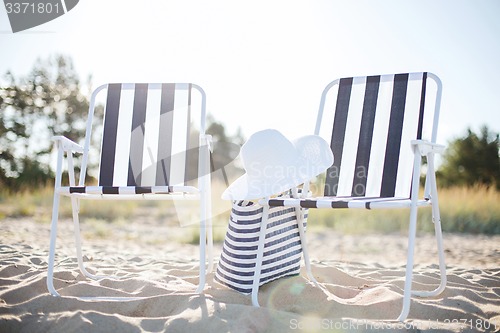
(147, 152)
(380, 127)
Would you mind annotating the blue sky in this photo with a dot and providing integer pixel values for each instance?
(264, 64)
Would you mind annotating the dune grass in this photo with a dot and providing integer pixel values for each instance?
(37, 204)
(470, 210)
(104, 217)
(463, 209)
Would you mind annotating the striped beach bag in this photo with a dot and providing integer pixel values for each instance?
(282, 247)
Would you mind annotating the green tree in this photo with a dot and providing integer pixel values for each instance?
(473, 159)
(47, 102)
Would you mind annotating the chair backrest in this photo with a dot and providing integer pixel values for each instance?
(149, 137)
(371, 125)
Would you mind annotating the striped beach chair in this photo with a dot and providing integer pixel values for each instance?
(380, 127)
(153, 147)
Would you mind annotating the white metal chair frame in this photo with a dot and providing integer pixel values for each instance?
(202, 193)
(299, 211)
(420, 148)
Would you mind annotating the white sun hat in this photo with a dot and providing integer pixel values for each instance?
(274, 164)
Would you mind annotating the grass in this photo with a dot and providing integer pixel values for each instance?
(470, 210)
(464, 210)
(37, 204)
(104, 218)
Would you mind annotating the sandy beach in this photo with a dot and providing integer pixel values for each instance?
(361, 279)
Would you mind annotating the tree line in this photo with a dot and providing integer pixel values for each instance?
(49, 101)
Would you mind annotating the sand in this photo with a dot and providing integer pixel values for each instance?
(361, 279)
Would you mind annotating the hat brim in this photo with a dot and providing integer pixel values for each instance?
(314, 157)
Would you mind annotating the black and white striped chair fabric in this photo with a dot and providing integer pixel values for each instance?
(147, 144)
(380, 127)
(282, 247)
(374, 121)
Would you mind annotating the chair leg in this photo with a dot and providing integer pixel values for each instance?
(210, 250)
(52, 247)
(205, 217)
(78, 243)
(260, 255)
(436, 218)
(439, 240)
(303, 240)
(53, 225)
(409, 265)
(201, 282)
(203, 241)
(210, 239)
(409, 268)
(412, 232)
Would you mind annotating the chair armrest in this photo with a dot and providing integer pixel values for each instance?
(68, 145)
(207, 140)
(426, 147)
